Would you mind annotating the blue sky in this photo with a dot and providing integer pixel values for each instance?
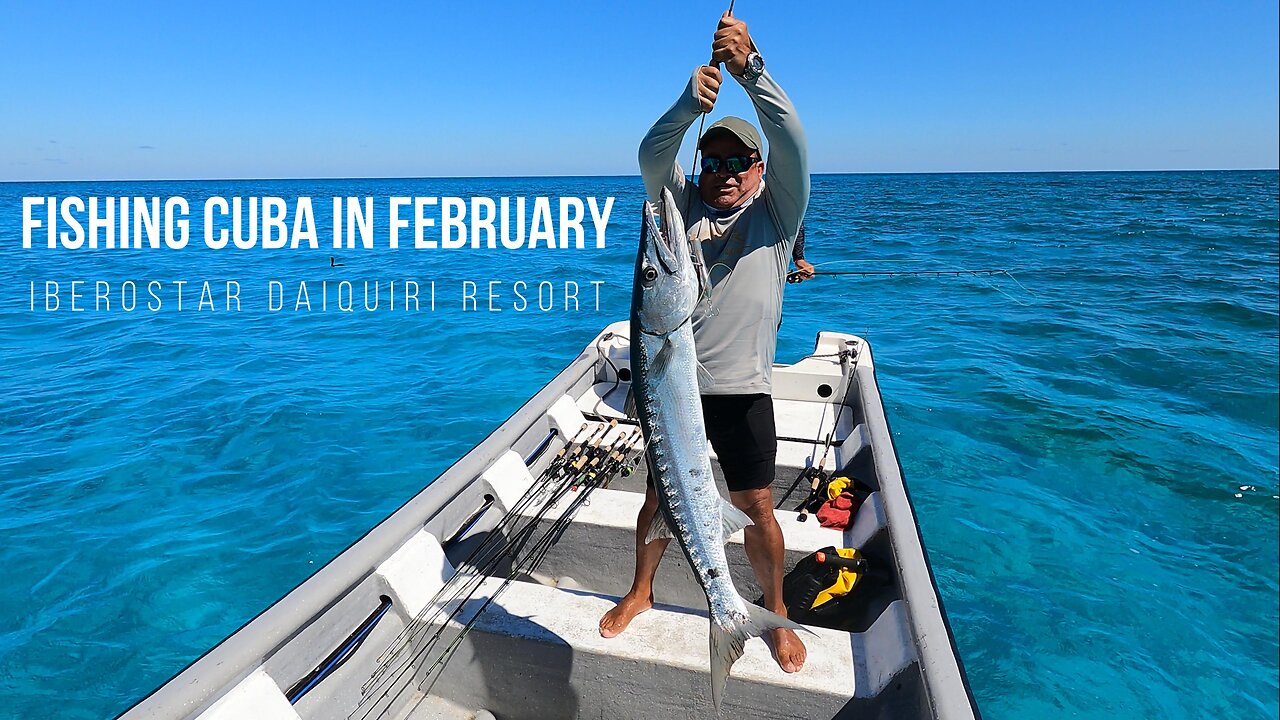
(372, 89)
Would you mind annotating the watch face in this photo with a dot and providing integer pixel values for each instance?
(755, 64)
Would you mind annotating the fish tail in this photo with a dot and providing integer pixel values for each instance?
(727, 643)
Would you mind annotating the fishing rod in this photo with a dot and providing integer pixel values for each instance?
(470, 573)
(796, 276)
(588, 450)
(596, 463)
(599, 470)
(625, 459)
(529, 562)
(594, 481)
(610, 462)
(567, 456)
(508, 540)
(599, 473)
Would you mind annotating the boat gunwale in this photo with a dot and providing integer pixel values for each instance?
(938, 669)
(224, 665)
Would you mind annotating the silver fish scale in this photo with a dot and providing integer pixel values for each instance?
(670, 411)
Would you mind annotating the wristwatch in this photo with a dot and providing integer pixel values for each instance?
(754, 68)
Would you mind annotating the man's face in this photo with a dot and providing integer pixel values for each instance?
(723, 190)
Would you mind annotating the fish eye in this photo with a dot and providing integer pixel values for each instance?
(650, 274)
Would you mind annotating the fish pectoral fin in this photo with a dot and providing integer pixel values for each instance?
(732, 518)
(705, 379)
(658, 529)
(661, 359)
(727, 643)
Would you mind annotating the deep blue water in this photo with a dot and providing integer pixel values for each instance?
(1091, 443)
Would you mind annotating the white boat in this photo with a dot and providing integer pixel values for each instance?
(482, 570)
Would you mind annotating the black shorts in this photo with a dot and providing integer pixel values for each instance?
(742, 432)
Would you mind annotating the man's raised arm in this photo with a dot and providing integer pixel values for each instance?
(787, 167)
(658, 164)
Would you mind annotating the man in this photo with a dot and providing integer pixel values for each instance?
(746, 227)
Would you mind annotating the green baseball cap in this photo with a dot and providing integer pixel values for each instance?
(741, 129)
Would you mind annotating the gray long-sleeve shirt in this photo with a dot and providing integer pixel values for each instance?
(747, 249)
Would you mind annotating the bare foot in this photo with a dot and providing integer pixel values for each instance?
(617, 619)
(787, 649)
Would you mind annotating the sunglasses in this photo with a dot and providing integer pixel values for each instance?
(732, 165)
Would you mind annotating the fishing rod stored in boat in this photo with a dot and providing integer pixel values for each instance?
(519, 537)
(528, 561)
(542, 446)
(340, 655)
(573, 462)
(597, 463)
(482, 562)
(472, 519)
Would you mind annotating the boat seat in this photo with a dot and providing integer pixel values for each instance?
(256, 696)
(806, 423)
(536, 652)
(810, 420)
(598, 547)
(867, 522)
(604, 399)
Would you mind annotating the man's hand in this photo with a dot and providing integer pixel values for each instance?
(804, 270)
(706, 85)
(731, 44)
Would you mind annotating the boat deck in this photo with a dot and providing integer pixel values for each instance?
(534, 651)
(540, 637)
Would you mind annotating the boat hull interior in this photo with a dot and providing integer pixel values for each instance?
(365, 637)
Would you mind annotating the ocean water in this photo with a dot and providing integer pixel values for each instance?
(1091, 440)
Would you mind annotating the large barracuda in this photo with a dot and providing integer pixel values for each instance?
(668, 286)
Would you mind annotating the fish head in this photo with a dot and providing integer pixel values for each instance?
(666, 286)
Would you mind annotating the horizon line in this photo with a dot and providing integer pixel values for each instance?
(637, 175)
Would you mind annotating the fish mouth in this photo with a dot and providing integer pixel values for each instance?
(662, 233)
(673, 231)
(679, 241)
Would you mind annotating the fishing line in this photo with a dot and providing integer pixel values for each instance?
(910, 273)
(881, 260)
(993, 287)
(693, 169)
(794, 277)
(617, 376)
(713, 310)
(1015, 282)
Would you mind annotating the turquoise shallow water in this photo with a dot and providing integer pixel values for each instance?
(1091, 445)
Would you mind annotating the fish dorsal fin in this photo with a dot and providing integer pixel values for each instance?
(732, 518)
(658, 529)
